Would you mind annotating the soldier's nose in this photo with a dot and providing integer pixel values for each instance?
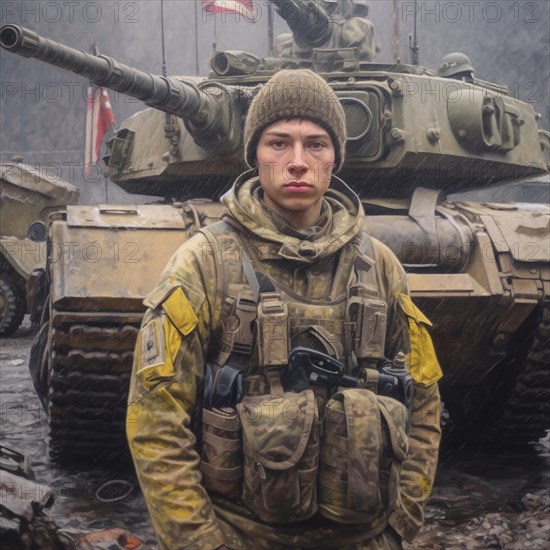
(298, 165)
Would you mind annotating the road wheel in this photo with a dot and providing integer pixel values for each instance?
(12, 304)
(512, 407)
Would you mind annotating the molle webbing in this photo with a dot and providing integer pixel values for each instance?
(221, 463)
(366, 310)
(238, 337)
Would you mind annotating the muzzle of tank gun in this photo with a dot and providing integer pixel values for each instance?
(19, 40)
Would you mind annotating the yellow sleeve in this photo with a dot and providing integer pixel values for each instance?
(167, 372)
(419, 468)
(422, 361)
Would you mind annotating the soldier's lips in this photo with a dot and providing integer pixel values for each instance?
(298, 186)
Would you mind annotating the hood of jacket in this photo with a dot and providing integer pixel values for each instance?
(341, 221)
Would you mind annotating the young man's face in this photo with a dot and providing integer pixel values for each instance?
(295, 159)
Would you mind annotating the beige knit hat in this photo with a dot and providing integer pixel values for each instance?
(296, 94)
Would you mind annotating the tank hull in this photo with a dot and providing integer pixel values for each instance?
(484, 290)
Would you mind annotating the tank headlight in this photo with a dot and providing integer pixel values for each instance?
(37, 232)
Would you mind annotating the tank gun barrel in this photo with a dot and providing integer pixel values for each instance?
(183, 99)
(308, 21)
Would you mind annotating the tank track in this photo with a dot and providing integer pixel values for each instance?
(12, 300)
(90, 370)
(525, 414)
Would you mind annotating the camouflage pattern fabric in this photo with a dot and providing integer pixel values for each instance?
(363, 447)
(182, 330)
(281, 452)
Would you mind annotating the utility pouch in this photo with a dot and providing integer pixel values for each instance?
(221, 463)
(370, 314)
(272, 330)
(367, 312)
(363, 447)
(281, 454)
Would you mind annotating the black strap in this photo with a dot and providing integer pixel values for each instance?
(258, 281)
(223, 386)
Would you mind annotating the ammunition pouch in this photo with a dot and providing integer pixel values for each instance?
(221, 463)
(362, 449)
(370, 331)
(281, 454)
(366, 314)
(272, 323)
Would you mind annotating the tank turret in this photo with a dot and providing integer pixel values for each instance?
(406, 126)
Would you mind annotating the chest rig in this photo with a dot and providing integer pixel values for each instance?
(263, 319)
(286, 453)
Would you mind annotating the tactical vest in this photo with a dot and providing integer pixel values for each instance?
(287, 455)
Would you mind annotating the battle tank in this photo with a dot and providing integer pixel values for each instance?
(479, 270)
(26, 198)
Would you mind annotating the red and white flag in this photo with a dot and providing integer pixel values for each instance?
(246, 8)
(99, 120)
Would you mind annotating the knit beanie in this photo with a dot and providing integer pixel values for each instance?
(296, 94)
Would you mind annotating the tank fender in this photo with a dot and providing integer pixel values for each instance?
(23, 255)
(519, 229)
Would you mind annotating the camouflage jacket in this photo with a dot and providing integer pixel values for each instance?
(182, 330)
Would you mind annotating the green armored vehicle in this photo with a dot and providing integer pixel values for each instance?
(480, 271)
(27, 196)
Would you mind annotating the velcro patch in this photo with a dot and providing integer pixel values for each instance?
(152, 343)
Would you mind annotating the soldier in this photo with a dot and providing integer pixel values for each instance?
(350, 28)
(456, 65)
(233, 448)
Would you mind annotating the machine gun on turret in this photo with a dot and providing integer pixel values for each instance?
(307, 20)
(320, 31)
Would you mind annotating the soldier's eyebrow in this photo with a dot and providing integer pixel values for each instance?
(276, 133)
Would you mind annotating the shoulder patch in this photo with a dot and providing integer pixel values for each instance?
(411, 310)
(424, 366)
(152, 343)
(180, 311)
